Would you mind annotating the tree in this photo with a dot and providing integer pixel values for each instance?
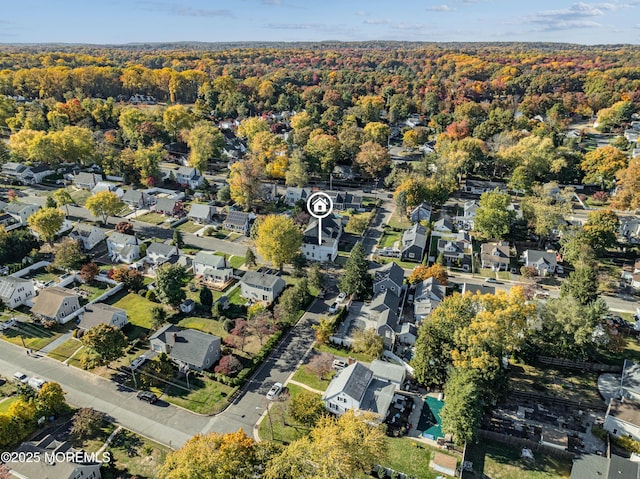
(494, 215)
(104, 204)
(50, 202)
(368, 342)
(89, 271)
(125, 227)
(250, 257)
(106, 342)
(86, 423)
(316, 276)
(224, 194)
(324, 329)
(576, 247)
(229, 365)
(627, 196)
(463, 407)
(158, 316)
(50, 400)
(582, 284)
(205, 142)
(131, 279)
(298, 171)
(206, 298)
(373, 158)
(250, 127)
(217, 456)
(323, 152)
(336, 448)
(278, 239)
(321, 364)
(356, 279)
(69, 256)
(601, 230)
(169, 281)
(602, 165)
(177, 239)
(238, 335)
(306, 408)
(422, 272)
(176, 118)
(46, 222)
(377, 132)
(244, 182)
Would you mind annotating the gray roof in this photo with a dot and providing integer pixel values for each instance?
(592, 466)
(17, 208)
(478, 288)
(387, 371)
(161, 249)
(390, 271)
(352, 381)
(631, 377)
(187, 345)
(385, 300)
(98, 313)
(253, 278)
(237, 218)
(444, 222)
(187, 171)
(331, 229)
(85, 230)
(9, 283)
(415, 236)
(166, 204)
(541, 257)
(430, 288)
(132, 195)
(497, 252)
(201, 211)
(209, 259)
(457, 246)
(121, 238)
(86, 178)
(378, 398)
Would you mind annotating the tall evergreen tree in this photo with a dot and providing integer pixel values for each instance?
(356, 278)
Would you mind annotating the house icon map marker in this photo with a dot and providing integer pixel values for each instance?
(320, 206)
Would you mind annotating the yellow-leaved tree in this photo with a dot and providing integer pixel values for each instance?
(278, 239)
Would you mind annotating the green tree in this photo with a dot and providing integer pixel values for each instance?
(176, 118)
(69, 256)
(582, 284)
(244, 182)
(463, 406)
(316, 276)
(323, 152)
(169, 281)
(206, 297)
(493, 216)
(278, 239)
(324, 329)
(205, 142)
(356, 279)
(86, 423)
(377, 132)
(298, 171)
(601, 229)
(250, 127)
(46, 222)
(50, 202)
(250, 257)
(63, 198)
(158, 316)
(104, 204)
(106, 342)
(177, 238)
(306, 407)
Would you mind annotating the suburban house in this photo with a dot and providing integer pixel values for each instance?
(259, 287)
(623, 418)
(389, 372)
(443, 225)
(422, 212)
(388, 277)
(70, 468)
(107, 186)
(408, 334)
(414, 243)
(159, 253)
(15, 291)
(137, 199)
(237, 221)
(630, 383)
(495, 255)
(545, 262)
(21, 210)
(10, 222)
(355, 388)
(471, 288)
(169, 207)
(87, 235)
(28, 175)
(452, 250)
(331, 233)
(212, 268)
(428, 295)
(593, 466)
(100, 313)
(632, 278)
(189, 348)
(55, 303)
(293, 195)
(189, 177)
(470, 208)
(86, 181)
(477, 187)
(202, 214)
(384, 311)
(344, 201)
(123, 248)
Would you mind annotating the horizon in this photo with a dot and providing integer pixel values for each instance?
(294, 21)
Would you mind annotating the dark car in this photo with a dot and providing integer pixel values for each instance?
(147, 396)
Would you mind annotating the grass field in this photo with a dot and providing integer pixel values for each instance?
(210, 326)
(4, 405)
(34, 336)
(152, 218)
(206, 396)
(396, 222)
(189, 227)
(237, 261)
(65, 350)
(139, 312)
(325, 348)
(285, 428)
(501, 461)
(389, 238)
(310, 379)
(80, 196)
(409, 456)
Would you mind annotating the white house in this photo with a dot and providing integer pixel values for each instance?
(261, 287)
(294, 194)
(159, 253)
(15, 291)
(202, 214)
(545, 262)
(237, 221)
(88, 235)
(28, 175)
(428, 295)
(10, 222)
(495, 255)
(211, 267)
(22, 211)
(312, 249)
(99, 313)
(188, 176)
(86, 181)
(55, 303)
(123, 248)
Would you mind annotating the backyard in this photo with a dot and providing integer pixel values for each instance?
(389, 238)
(139, 312)
(411, 457)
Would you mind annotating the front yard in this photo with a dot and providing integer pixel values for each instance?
(190, 227)
(206, 396)
(278, 425)
(152, 218)
(34, 336)
(65, 350)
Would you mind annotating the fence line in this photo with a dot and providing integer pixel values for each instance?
(582, 365)
(520, 442)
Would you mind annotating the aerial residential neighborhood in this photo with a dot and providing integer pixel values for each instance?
(370, 259)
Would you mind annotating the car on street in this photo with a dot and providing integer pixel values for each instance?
(147, 396)
(274, 392)
(490, 280)
(20, 376)
(137, 362)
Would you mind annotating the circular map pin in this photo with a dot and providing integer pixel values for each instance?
(319, 205)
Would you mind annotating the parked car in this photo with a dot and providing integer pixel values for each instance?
(36, 383)
(275, 391)
(334, 308)
(490, 280)
(20, 376)
(10, 323)
(147, 396)
(341, 297)
(137, 362)
(339, 364)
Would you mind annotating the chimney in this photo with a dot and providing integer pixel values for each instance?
(174, 336)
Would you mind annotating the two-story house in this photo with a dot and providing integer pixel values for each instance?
(414, 243)
(123, 248)
(312, 249)
(237, 221)
(294, 194)
(55, 303)
(388, 277)
(15, 291)
(87, 235)
(189, 177)
(159, 253)
(261, 287)
(21, 211)
(422, 212)
(100, 313)
(212, 268)
(188, 348)
(428, 295)
(495, 255)
(545, 262)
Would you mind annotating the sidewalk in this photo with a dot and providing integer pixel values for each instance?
(302, 385)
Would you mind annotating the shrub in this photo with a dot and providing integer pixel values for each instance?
(151, 295)
(228, 325)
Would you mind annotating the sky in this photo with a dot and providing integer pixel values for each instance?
(134, 21)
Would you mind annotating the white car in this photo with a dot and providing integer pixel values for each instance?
(10, 323)
(333, 308)
(20, 376)
(341, 297)
(137, 362)
(275, 390)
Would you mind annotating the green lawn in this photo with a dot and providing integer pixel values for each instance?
(310, 379)
(396, 222)
(153, 218)
(631, 351)
(504, 275)
(95, 289)
(501, 461)
(235, 298)
(233, 236)
(206, 396)
(285, 428)
(237, 261)
(34, 336)
(4, 405)
(389, 238)
(80, 196)
(325, 348)
(210, 326)
(411, 457)
(65, 350)
(189, 227)
(138, 309)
